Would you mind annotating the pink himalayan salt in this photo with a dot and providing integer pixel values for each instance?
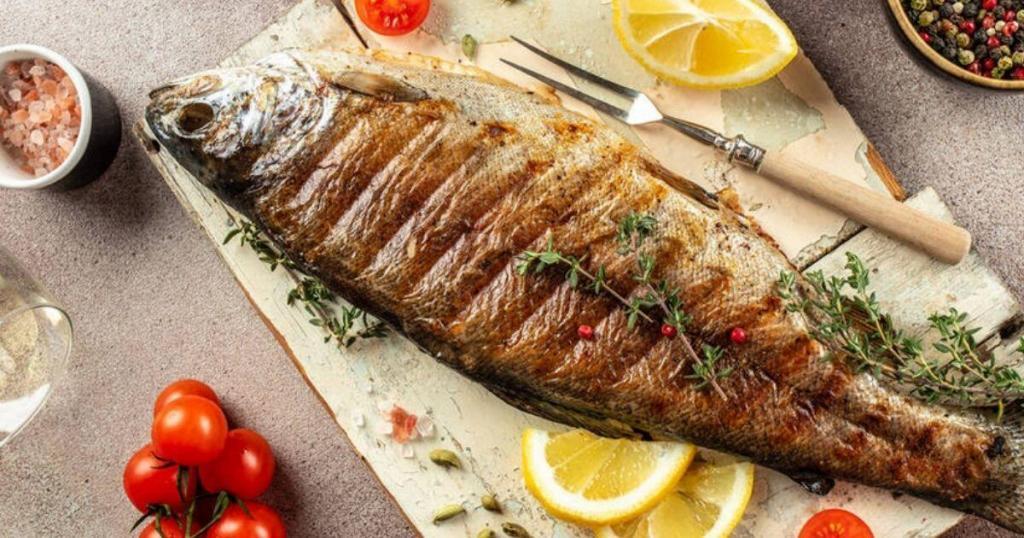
(39, 115)
(403, 424)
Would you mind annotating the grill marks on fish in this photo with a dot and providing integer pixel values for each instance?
(536, 330)
(305, 205)
(366, 215)
(481, 176)
(517, 221)
(405, 186)
(395, 193)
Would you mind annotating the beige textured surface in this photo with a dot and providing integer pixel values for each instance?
(152, 302)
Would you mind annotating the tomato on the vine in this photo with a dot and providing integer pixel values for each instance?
(191, 430)
(169, 528)
(243, 469)
(183, 387)
(835, 523)
(261, 522)
(393, 17)
(149, 480)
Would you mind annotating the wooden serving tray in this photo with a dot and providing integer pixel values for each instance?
(356, 383)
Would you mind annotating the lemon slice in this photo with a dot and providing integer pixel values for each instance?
(708, 502)
(705, 43)
(590, 480)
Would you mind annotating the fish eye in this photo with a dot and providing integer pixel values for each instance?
(195, 116)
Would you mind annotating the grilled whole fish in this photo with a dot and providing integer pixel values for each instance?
(410, 186)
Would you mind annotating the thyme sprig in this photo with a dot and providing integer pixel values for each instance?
(320, 303)
(845, 313)
(632, 234)
(343, 324)
(706, 372)
(250, 236)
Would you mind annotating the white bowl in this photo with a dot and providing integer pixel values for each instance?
(12, 177)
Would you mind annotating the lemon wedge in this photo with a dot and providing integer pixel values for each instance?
(709, 44)
(708, 502)
(590, 480)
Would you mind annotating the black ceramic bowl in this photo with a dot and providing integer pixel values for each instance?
(98, 138)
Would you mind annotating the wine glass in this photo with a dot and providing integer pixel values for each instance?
(35, 341)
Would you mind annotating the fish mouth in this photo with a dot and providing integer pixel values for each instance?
(180, 128)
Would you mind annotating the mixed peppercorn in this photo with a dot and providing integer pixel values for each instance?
(985, 37)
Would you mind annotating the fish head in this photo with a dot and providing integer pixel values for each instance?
(226, 125)
(229, 126)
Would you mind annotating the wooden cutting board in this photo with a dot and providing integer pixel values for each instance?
(793, 113)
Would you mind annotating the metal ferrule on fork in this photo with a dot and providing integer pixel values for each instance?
(737, 149)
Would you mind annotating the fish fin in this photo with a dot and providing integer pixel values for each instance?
(681, 184)
(1002, 497)
(380, 86)
(557, 412)
(813, 482)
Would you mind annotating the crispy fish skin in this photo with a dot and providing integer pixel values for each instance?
(410, 186)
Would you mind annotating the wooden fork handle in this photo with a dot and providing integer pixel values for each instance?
(941, 240)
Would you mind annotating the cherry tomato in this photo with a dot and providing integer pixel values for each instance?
(183, 387)
(835, 523)
(245, 467)
(170, 528)
(190, 430)
(149, 480)
(234, 523)
(392, 17)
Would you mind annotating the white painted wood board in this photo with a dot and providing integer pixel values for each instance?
(355, 383)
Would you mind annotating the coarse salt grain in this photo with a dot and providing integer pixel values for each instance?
(40, 116)
(403, 425)
(425, 427)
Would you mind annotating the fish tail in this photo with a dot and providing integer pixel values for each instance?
(1002, 502)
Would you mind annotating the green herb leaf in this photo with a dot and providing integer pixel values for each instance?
(845, 312)
(231, 235)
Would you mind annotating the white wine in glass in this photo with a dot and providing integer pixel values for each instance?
(35, 341)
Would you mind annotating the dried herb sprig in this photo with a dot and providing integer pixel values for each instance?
(632, 234)
(344, 324)
(249, 236)
(844, 312)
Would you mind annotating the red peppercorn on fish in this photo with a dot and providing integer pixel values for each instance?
(410, 186)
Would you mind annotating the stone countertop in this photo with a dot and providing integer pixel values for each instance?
(152, 302)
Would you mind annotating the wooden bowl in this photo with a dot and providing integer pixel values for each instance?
(898, 11)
